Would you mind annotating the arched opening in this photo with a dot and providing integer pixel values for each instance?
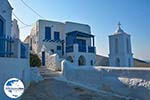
(118, 62)
(70, 59)
(81, 61)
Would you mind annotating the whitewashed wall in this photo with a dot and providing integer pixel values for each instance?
(132, 82)
(5, 13)
(55, 26)
(13, 68)
(53, 62)
(88, 56)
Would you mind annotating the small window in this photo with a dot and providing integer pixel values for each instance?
(58, 47)
(129, 61)
(127, 45)
(116, 45)
(92, 62)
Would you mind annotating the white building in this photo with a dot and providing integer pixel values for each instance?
(120, 49)
(14, 55)
(72, 41)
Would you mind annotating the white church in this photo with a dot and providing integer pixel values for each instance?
(120, 49)
(71, 41)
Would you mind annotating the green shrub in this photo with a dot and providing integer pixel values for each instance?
(34, 60)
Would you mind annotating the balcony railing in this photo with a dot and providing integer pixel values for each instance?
(5, 46)
(91, 49)
(10, 48)
(84, 49)
(69, 49)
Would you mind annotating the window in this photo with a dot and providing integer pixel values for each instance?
(1, 27)
(56, 36)
(92, 62)
(82, 45)
(127, 45)
(58, 47)
(116, 45)
(47, 33)
(118, 62)
(129, 61)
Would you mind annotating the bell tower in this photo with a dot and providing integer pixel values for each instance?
(120, 49)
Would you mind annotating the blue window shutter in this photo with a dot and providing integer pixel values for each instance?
(47, 33)
(56, 36)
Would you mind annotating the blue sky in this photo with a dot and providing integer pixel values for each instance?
(101, 15)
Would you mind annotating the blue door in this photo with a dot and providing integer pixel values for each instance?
(43, 58)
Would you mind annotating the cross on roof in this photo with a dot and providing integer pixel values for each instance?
(119, 24)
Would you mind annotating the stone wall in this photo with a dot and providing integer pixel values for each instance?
(129, 82)
(53, 62)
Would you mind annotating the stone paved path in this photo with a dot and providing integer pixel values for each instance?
(51, 89)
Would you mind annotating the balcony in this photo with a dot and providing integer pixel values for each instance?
(69, 49)
(77, 48)
(82, 48)
(91, 49)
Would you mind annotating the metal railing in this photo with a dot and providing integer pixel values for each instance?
(5, 46)
(69, 49)
(91, 49)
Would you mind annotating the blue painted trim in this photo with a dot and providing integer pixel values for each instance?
(56, 36)
(81, 34)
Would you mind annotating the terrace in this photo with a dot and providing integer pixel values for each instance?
(80, 41)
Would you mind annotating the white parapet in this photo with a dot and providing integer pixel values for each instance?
(129, 82)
